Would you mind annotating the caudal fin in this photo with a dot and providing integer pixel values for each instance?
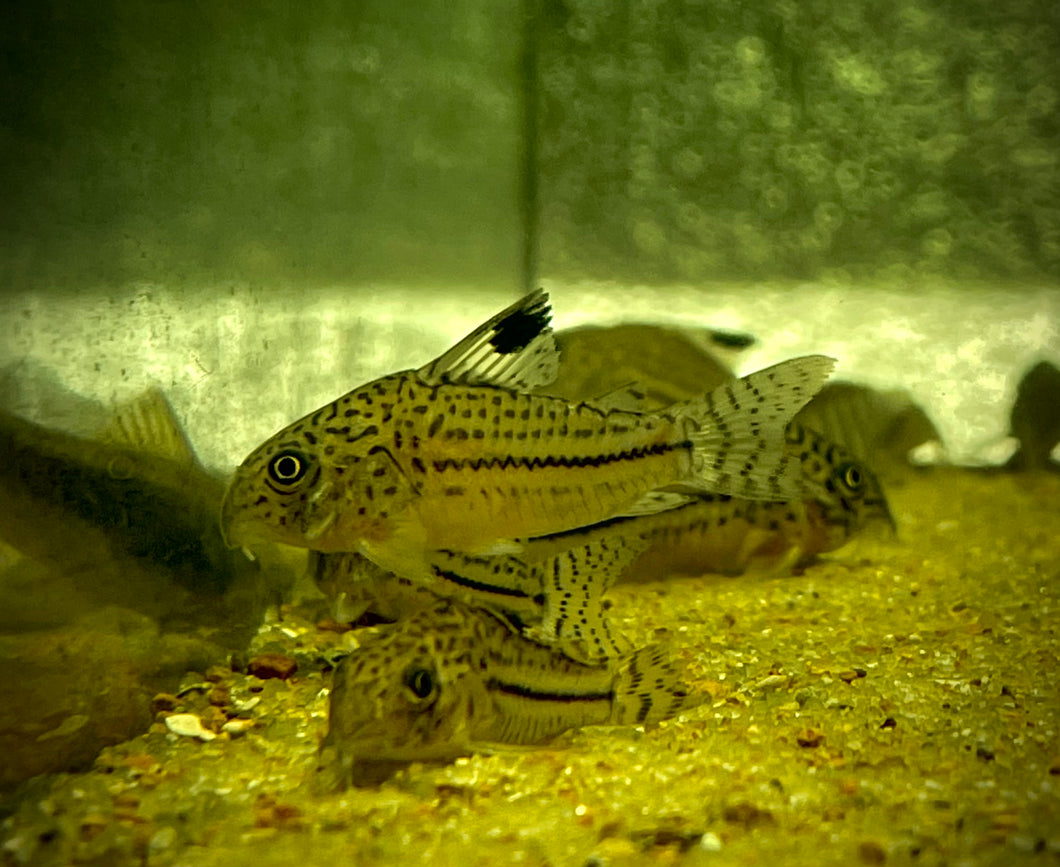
(649, 687)
(737, 431)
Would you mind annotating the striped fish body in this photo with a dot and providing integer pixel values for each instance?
(552, 588)
(550, 592)
(451, 677)
(458, 455)
(727, 536)
(470, 465)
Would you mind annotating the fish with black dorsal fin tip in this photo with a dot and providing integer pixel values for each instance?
(552, 589)
(452, 679)
(460, 455)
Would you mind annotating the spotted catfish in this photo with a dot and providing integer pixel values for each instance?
(553, 587)
(459, 455)
(453, 679)
(550, 592)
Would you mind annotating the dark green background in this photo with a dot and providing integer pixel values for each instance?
(275, 142)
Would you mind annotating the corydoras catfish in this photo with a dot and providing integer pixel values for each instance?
(452, 679)
(553, 587)
(460, 455)
(127, 517)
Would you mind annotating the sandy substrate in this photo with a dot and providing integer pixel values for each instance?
(898, 703)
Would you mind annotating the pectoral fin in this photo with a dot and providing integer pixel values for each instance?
(574, 583)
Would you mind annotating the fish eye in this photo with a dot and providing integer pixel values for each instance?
(851, 476)
(288, 467)
(420, 682)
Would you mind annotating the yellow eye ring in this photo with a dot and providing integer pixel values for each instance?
(288, 467)
(852, 476)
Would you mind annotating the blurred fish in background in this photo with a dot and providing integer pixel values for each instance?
(1035, 419)
(878, 428)
(128, 517)
(114, 580)
(668, 364)
(881, 428)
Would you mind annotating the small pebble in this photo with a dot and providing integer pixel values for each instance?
(242, 706)
(810, 738)
(219, 695)
(330, 624)
(237, 727)
(164, 701)
(710, 842)
(217, 673)
(188, 725)
(164, 838)
(266, 665)
(747, 814)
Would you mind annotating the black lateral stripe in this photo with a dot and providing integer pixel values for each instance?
(480, 586)
(521, 691)
(552, 461)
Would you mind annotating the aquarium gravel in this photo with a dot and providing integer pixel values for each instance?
(895, 703)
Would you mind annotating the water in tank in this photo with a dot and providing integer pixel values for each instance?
(711, 516)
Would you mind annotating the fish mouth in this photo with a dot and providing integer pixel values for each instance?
(239, 533)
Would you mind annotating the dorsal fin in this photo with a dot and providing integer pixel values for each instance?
(514, 349)
(147, 424)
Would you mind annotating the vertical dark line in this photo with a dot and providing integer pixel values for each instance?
(528, 169)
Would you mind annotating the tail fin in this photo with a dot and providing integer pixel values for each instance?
(737, 431)
(649, 687)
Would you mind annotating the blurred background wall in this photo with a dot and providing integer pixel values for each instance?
(268, 141)
(653, 140)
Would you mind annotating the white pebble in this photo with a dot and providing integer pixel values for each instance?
(236, 727)
(188, 725)
(710, 842)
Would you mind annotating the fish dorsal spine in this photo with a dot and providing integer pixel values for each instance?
(514, 349)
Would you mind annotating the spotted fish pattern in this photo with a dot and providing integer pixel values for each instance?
(460, 455)
(451, 679)
(552, 589)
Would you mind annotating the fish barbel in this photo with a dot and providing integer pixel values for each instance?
(460, 455)
(451, 679)
(552, 588)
